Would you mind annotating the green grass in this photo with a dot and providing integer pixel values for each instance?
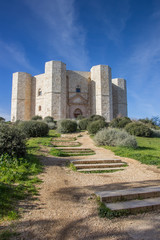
(105, 212)
(148, 151)
(72, 167)
(18, 178)
(6, 234)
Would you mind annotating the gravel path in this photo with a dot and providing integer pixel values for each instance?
(67, 210)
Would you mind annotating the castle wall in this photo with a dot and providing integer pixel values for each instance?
(55, 89)
(38, 101)
(81, 79)
(119, 97)
(54, 93)
(101, 91)
(21, 96)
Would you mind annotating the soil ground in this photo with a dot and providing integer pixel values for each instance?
(66, 208)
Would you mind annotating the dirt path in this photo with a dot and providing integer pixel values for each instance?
(67, 210)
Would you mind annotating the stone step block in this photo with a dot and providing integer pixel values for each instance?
(99, 169)
(129, 194)
(91, 161)
(73, 148)
(135, 206)
(99, 165)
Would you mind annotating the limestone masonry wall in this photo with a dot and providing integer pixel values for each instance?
(64, 93)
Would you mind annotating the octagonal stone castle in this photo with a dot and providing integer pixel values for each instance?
(62, 93)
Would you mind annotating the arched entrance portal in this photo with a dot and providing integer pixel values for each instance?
(77, 112)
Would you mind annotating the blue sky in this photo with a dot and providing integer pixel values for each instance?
(124, 34)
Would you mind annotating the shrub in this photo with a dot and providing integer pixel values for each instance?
(119, 122)
(115, 137)
(34, 128)
(96, 117)
(138, 129)
(51, 125)
(36, 118)
(2, 119)
(67, 126)
(48, 119)
(95, 126)
(83, 124)
(80, 117)
(12, 141)
(155, 133)
(148, 122)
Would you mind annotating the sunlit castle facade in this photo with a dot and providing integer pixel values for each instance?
(63, 93)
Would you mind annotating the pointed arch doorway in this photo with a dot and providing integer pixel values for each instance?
(77, 112)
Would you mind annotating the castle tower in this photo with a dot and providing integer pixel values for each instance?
(119, 97)
(101, 91)
(55, 89)
(21, 96)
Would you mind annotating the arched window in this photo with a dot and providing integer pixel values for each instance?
(39, 108)
(39, 92)
(78, 89)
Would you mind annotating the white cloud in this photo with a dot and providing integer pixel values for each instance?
(64, 34)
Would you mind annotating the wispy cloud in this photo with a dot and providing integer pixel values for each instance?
(13, 55)
(113, 17)
(64, 33)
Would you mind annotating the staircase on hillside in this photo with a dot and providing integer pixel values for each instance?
(93, 165)
(132, 200)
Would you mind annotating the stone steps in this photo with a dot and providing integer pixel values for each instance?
(132, 200)
(92, 161)
(74, 148)
(93, 165)
(99, 169)
(99, 165)
(135, 206)
(134, 193)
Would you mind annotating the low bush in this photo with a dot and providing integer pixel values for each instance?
(148, 122)
(36, 118)
(83, 124)
(80, 117)
(155, 133)
(51, 125)
(2, 119)
(48, 119)
(96, 117)
(67, 126)
(119, 122)
(95, 126)
(34, 128)
(12, 141)
(115, 137)
(138, 129)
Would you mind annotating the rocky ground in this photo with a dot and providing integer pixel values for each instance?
(66, 208)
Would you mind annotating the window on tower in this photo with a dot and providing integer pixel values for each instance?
(78, 89)
(39, 92)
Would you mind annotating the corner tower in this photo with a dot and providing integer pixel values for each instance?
(55, 89)
(101, 96)
(119, 92)
(21, 96)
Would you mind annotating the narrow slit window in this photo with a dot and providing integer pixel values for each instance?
(39, 92)
(39, 108)
(78, 89)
